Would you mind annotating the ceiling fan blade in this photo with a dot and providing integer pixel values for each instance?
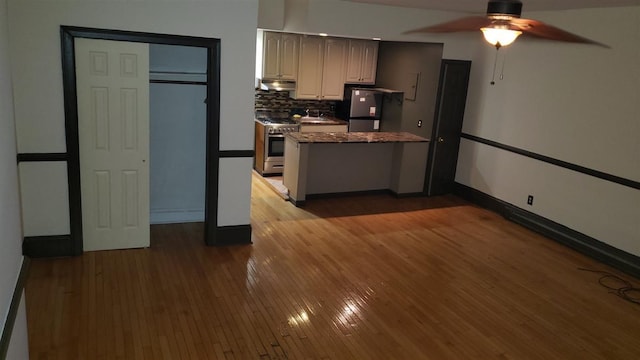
(541, 30)
(469, 23)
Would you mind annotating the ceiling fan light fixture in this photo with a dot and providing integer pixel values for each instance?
(499, 37)
(502, 25)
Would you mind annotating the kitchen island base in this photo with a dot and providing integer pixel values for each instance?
(380, 162)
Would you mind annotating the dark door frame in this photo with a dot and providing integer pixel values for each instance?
(68, 34)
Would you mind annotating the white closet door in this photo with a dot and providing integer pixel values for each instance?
(112, 79)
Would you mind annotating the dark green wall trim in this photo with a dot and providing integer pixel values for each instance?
(581, 169)
(299, 203)
(365, 192)
(213, 142)
(407, 195)
(589, 246)
(232, 235)
(67, 47)
(7, 331)
(27, 157)
(178, 82)
(237, 153)
(349, 193)
(355, 193)
(478, 197)
(47, 246)
(134, 36)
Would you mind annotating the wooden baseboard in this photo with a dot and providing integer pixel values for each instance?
(407, 195)
(232, 235)
(7, 330)
(355, 193)
(60, 245)
(297, 203)
(589, 246)
(348, 194)
(47, 246)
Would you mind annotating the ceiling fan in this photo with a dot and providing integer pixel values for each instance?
(503, 24)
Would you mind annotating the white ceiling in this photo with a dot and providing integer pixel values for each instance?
(480, 6)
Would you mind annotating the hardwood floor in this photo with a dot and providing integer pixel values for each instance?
(369, 277)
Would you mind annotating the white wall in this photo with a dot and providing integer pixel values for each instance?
(576, 103)
(271, 14)
(10, 233)
(35, 52)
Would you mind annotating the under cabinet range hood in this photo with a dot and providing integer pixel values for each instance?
(279, 85)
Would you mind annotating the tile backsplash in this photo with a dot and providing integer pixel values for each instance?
(272, 101)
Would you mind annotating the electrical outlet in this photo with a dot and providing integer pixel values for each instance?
(419, 123)
(530, 200)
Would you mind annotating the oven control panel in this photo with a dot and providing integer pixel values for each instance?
(283, 129)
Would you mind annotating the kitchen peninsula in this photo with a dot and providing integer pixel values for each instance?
(331, 163)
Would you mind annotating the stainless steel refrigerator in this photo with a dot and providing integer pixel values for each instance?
(362, 108)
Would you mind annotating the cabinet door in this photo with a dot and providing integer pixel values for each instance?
(369, 62)
(335, 59)
(354, 62)
(271, 55)
(289, 55)
(362, 62)
(309, 83)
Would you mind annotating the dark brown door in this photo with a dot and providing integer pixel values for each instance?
(447, 125)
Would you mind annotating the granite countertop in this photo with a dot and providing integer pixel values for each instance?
(323, 120)
(354, 137)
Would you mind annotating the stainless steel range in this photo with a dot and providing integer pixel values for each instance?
(270, 133)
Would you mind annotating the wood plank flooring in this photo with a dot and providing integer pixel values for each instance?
(367, 277)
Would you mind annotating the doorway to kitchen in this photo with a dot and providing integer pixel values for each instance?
(212, 153)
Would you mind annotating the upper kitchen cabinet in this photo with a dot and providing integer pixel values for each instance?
(309, 84)
(362, 62)
(280, 56)
(321, 68)
(335, 60)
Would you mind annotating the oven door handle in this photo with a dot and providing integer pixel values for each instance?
(276, 135)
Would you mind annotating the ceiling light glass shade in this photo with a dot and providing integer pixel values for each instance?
(502, 36)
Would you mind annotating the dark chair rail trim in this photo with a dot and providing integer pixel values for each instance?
(178, 82)
(236, 153)
(581, 169)
(32, 157)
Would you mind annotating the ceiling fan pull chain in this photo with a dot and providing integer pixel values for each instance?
(495, 62)
(504, 60)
